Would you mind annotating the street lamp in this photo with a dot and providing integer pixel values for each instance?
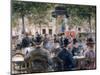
(60, 11)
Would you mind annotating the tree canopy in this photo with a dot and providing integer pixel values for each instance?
(39, 12)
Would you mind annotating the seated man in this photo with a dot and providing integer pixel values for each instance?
(38, 59)
(67, 58)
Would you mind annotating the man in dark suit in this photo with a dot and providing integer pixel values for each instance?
(67, 58)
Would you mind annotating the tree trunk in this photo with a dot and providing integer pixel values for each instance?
(90, 23)
(40, 28)
(23, 25)
(57, 26)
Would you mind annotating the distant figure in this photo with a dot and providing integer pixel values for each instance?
(36, 34)
(45, 41)
(38, 38)
(26, 41)
(61, 41)
(75, 49)
(56, 38)
(66, 42)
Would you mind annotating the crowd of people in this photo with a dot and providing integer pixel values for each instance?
(56, 53)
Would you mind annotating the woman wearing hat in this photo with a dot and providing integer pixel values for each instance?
(90, 54)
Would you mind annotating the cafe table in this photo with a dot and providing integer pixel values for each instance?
(80, 62)
(18, 63)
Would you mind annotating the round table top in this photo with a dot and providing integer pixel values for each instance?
(78, 57)
(28, 49)
(17, 58)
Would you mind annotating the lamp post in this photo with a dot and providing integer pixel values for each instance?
(59, 13)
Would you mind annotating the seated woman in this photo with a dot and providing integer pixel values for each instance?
(90, 54)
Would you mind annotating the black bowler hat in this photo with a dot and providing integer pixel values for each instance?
(90, 41)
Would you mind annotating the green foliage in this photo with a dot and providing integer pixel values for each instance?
(80, 13)
(39, 13)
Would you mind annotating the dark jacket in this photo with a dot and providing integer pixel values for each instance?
(68, 61)
(61, 41)
(75, 51)
(66, 42)
(38, 39)
(26, 42)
